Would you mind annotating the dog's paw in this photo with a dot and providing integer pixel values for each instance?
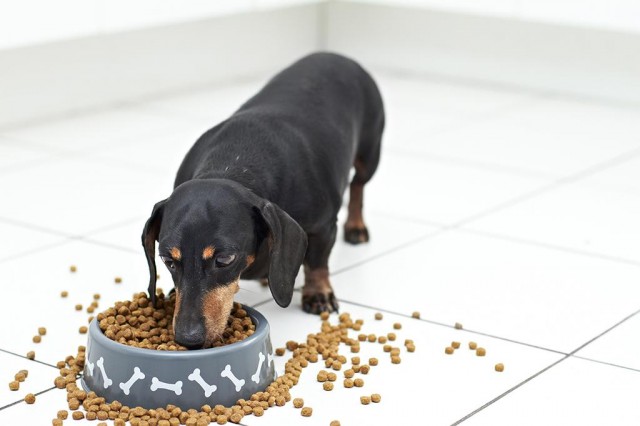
(319, 302)
(356, 235)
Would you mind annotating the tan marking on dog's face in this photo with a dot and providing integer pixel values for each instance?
(176, 309)
(216, 307)
(250, 259)
(208, 252)
(175, 253)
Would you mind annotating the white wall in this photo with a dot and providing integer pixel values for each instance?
(29, 22)
(617, 15)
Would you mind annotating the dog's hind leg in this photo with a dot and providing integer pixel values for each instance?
(317, 294)
(365, 164)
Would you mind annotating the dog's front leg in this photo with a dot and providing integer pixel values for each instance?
(317, 294)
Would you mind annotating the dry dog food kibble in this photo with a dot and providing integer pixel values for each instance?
(349, 373)
(395, 359)
(280, 351)
(117, 280)
(334, 423)
(481, 352)
(448, 350)
(31, 355)
(378, 316)
(411, 348)
(42, 331)
(78, 307)
(382, 339)
(376, 397)
(473, 346)
(358, 383)
(77, 415)
(331, 377)
(355, 360)
(499, 367)
(397, 326)
(458, 326)
(455, 345)
(138, 323)
(306, 411)
(391, 336)
(364, 369)
(348, 383)
(30, 398)
(62, 414)
(322, 376)
(365, 400)
(20, 376)
(327, 386)
(37, 338)
(73, 268)
(64, 293)
(298, 402)
(415, 315)
(83, 330)
(14, 385)
(373, 361)
(324, 316)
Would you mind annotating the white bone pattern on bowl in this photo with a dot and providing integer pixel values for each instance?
(177, 386)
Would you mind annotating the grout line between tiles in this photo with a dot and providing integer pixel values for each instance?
(567, 356)
(611, 364)
(505, 339)
(22, 400)
(514, 239)
(588, 171)
(30, 360)
(430, 234)
(411, 152)
(620, 158)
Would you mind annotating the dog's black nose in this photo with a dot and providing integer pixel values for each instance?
(191, 337)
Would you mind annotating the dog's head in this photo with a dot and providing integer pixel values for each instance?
(208, 232)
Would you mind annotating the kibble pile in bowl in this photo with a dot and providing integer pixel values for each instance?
(138, 323)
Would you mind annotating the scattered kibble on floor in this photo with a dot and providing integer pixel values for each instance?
(73, 268)
(458, 326)
(499, 367)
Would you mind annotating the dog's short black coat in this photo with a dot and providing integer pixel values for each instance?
(263, 190)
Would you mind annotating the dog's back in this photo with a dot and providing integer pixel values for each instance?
(295, 141)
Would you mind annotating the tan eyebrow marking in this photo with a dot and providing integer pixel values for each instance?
(207, 253)
(175, 253)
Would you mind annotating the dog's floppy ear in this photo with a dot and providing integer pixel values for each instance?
(287, 246)
(149, 237)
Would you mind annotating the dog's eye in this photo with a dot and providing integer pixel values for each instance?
(169, 262)
(225, 259)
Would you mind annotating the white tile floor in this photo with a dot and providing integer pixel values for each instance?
(513, 213)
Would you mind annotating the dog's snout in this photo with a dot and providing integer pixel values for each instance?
(192, 336)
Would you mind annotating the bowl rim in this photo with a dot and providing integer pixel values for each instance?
(261, 332)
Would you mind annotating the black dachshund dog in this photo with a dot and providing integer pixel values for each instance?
(258, 195)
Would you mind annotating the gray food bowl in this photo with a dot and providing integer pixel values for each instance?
(187, 379)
